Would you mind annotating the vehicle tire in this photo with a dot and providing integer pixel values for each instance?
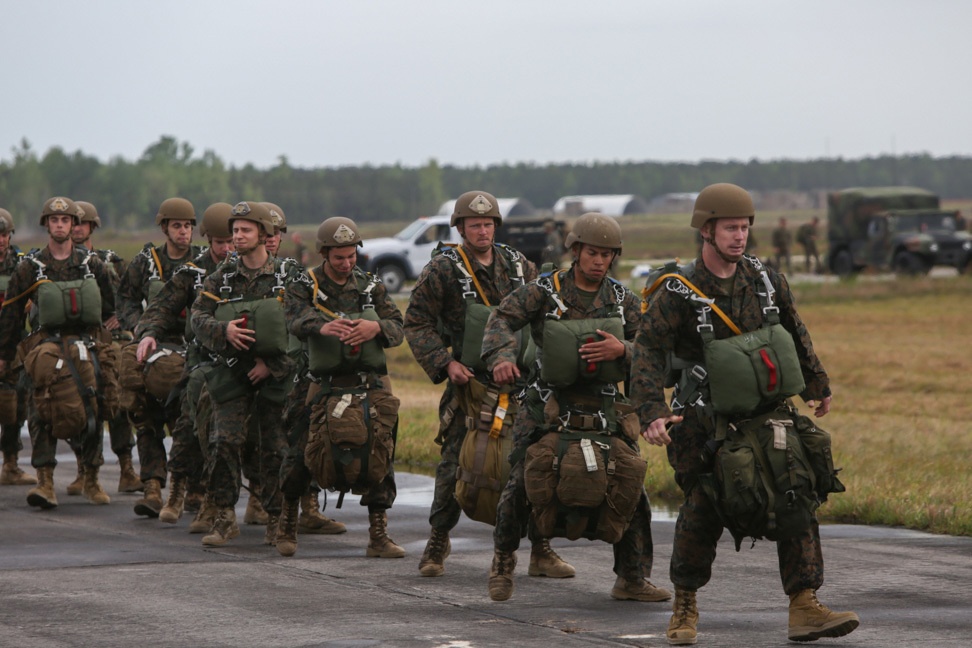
(392, 276)
(909, 264)
(842, 264)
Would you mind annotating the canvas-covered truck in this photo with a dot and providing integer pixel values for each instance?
(903, 229)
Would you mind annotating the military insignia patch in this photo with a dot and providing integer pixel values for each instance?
(59, 205)
(276, 218)
(80, 212)
(480, 205)
(343, 234)
(241, 209)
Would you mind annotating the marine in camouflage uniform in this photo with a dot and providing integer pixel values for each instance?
(176, 217)
(340, 285)
(588, 293)
(11, 474)
(58, 215)
(723, 213)
(246, 384)
(434, 324)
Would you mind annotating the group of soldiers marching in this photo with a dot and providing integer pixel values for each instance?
(264, 369)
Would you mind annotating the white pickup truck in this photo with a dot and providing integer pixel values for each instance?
(401, 257)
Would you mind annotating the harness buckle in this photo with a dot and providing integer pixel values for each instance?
(771, 309)
(698, 372)
(231, 362)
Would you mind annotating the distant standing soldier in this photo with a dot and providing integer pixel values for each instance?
(782, 240)
(279, 227)
(807, 237)
(726, 292)
(553, 249)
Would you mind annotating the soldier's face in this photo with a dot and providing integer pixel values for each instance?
(179, 232)
(478, 233)
(220, 247)
(273, 243)
(339, 262)
(59, 227)
(81, 233)
(728, 236)
(246, 237)
(4, 243)
(593, 263)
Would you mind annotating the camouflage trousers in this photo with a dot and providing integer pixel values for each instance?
(445, 512)
(185, 455)
(232, 422)
(699, 527)
(150, 438)
(633, 553)
(43, 443)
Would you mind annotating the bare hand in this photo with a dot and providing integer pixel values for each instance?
(821, 408)
(112, 323)
(459, 373)
(657, 432)
(610, 348)
(338, 328)
(505, 373)
(259, 372)
(360, 332)
(239, 337)
(145, 348)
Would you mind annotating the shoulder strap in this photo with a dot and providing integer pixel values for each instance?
(707, 301)
(320, 296)
(466, 269)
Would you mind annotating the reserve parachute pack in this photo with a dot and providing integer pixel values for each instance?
(75, 303)
(484, 465)
(326, 354)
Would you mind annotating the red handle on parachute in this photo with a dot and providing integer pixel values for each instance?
(591, 366)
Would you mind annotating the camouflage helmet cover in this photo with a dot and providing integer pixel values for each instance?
(6, 222)
(90, 214)
(476, 204)
(215, 221)
(60, 206)
(337, 232)
(279, 218)
(175, 209)
(595, 229)
(722, 200)
(254, 212)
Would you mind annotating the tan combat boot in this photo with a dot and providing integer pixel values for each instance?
(254, 511)
(172, 510)
(205, 516)
(437, 549)
(12, 475)
(224, 528)
(150, 504)
(128, 481)
(639, 590)
(42, 494)
(311, 519)
(685, 619)
(287, 528)
(501, 575)
(77, 486)
(544, 561)
(810, 619)
(379, 544)
(92, 487)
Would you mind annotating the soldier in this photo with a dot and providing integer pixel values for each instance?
(782, 240)
(163, 315)
(807, 237)
(671, 336)
(254, 374)
(583, 293)
(317, 306)
(119, 427)
(279, 227)
(143, 279)
(553, 249)
(11, 474)
(436, 318)
(81, 330)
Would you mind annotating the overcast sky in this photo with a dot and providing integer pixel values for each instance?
(394, 81)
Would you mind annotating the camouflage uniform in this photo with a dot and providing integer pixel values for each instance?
(304, 321)
(132, 299)
(437, 305)
(528, 306)
(669, 326)
(10, 443)
(43, 441)
(264, 401)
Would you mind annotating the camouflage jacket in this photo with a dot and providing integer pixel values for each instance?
(162, 318)
(133, 287)
(115, 264)
(669, 326)
(436, 309)
(9, 262)
(530, 304)
(25, 276)
(306, 320)
(210, 332)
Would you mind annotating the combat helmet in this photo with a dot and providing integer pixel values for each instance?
(279, 218)
(215, 221)
(60, 206)
(337, 231)
(476, 204)
(6, 222)
(175, 209)
(595, 229)
(722, 200)
(254, 212)
(90, 214)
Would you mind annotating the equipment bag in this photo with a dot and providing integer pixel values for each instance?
(61, 303)
(156, 377)
(484, 464)
(8, 404)
(328, 356)
(55, 375)
(263, 316)
(562, 362)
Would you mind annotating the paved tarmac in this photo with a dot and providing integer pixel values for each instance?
(84, 575)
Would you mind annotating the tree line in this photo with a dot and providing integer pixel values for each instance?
(128, 193)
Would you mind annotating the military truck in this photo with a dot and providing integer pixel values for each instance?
(903, 229)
